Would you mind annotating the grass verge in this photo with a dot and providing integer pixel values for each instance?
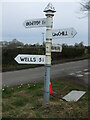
(26, 101)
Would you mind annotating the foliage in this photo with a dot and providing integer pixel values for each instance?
(26, 101)
(68, 52)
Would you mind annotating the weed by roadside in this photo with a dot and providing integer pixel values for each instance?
(26, 101)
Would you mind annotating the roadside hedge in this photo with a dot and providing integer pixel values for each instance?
(8, 55)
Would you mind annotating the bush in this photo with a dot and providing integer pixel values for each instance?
(8, 55)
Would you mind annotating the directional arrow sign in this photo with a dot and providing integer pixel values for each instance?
(56, 48)
(35, 23)
(64, 33)
(30, 59)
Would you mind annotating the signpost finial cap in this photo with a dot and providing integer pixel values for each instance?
(49, 8)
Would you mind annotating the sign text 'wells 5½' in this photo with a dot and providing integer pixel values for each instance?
(30, 59)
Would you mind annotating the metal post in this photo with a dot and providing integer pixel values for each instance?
(43, 38)
(49, 14)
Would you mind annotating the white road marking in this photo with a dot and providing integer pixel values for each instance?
(85, 70)
(72, 74)
(78, 71)
(87, 73)
(80, 75)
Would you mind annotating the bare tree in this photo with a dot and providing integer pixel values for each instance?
(85, 8)
(85, 5)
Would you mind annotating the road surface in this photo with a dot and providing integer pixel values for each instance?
(78, 69)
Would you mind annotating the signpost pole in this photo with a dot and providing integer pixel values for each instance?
(49, 14)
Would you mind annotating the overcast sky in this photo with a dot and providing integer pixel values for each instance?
(66, 16)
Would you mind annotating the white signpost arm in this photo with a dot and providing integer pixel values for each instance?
(49, 14)
(33, 23)
(63, 33)
(30, 59)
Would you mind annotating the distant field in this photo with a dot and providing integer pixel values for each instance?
(26, 101)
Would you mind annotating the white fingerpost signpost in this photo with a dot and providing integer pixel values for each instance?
(50, 34)
(49, 10)
(30, 59)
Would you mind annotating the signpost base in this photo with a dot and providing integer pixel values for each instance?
(46, 84)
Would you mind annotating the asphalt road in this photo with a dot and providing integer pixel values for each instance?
(79, 69)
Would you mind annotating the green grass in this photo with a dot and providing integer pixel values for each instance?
(26, 101)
